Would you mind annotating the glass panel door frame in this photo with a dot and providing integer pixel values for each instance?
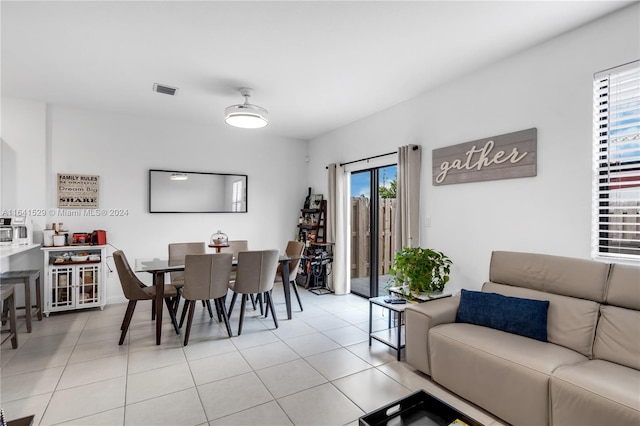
(374, 217)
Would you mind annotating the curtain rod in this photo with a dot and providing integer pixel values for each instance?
(415, 147)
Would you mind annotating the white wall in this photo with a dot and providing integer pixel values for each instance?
(548, 87)
(23, 130)
(24, 165)
(121, 149)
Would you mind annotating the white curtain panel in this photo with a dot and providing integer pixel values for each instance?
(337, 229)
(408, 197)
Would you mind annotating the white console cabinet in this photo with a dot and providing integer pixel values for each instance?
(74, 284)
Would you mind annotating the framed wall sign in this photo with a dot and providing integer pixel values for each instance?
(78, 191)
(508, 156)
(315, 201)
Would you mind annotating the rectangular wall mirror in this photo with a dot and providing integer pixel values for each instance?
(173, 191)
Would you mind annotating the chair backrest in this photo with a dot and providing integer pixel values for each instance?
(131, 285)
(235, 247)
(294, 250)
(177, 253)
(256, 271)
(206, 276)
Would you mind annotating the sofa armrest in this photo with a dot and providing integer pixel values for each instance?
(419, 319)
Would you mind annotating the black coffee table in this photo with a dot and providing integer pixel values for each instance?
(419, 408)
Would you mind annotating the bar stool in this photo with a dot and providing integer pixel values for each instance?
(9, 314)
(26, 278)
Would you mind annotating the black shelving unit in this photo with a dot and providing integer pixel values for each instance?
(318, 253)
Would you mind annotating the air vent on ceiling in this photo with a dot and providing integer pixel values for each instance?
(163, 88)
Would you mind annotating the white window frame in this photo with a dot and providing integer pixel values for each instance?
(616, 164)
(237, 196)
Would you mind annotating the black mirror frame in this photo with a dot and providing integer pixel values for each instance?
(246, 190)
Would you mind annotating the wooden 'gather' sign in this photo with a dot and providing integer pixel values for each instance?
(508, 156)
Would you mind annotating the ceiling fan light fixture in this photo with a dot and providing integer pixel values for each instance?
(247, 115)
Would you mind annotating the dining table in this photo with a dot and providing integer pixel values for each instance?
(159, 268)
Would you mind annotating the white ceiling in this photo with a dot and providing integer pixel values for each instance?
(315, 66)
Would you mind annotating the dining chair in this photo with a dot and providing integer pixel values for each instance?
(206, 276)
(177, 253)
(294, 250)
(135, 290)
(256, 274)
(235, 247)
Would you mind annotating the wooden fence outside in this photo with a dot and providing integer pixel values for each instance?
(361, 236)
(623, 227)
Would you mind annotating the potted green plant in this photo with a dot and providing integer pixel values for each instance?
(421, 269)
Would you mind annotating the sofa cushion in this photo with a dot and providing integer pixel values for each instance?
(526, 317)
(571, 322)
(506, 374)
(618, 336)
(595, 393)
(568, 276)
(624, 286)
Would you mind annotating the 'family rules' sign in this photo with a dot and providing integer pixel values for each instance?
(78, 191)
(508, 156)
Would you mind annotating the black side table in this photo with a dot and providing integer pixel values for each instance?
(393, 336)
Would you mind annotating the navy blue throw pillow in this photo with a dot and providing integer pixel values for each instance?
(526, 317)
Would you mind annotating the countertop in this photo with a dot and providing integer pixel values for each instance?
(7, 251)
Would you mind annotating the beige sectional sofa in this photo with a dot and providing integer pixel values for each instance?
(587, 373)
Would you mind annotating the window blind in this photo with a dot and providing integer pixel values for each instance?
(616, 186)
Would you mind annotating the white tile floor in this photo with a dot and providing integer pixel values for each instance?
(315, 369)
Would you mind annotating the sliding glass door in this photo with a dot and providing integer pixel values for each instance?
(373, 196)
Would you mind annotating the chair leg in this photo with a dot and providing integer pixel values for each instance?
(192, 308)
(127, 320)
(172, 314)
(176, 302)
(266, 310)
(27, 303)
(269, 297)
(233, 302)
(208, 303)
(295, 290)
(184, 312)
(153, 309)
(260, 300)
(38, 298)
(5, 313)
(242, 307)
(253, 301)
(218, 312)
(124, 320)
(220, 305)
(11, 315)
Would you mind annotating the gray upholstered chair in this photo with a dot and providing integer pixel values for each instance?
(177, 253)
(255, 275)
(235, 247)
(294, 250)
(135, 290)
(206, 276)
